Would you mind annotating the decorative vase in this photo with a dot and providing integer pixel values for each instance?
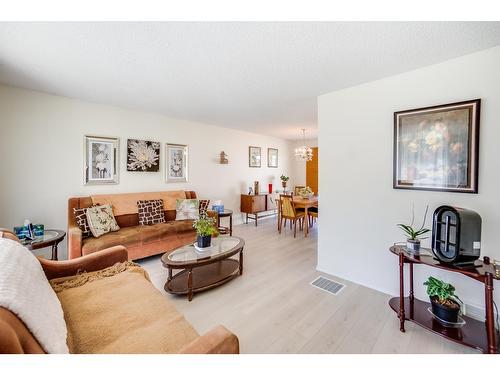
(203, 241)
(270, 188)
(256, 187)
(413, 246)
(283, 183)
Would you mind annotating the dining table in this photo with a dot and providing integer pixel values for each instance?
(300, 202)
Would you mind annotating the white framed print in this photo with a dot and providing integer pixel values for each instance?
(176, 166)
(100, 160)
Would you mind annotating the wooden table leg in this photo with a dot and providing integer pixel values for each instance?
(247, 219)
(411, 282)
(401, 293)
(231, 224)
(241, 262)
(54, 251)
(190, 284)
(169, 274)
(306, 219)
(490, 321)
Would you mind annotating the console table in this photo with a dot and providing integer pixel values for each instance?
(475, 334)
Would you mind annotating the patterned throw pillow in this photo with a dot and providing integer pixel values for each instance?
(204, 205)
(151, 212)
(81, 221)
(187, 209)
(101, 220)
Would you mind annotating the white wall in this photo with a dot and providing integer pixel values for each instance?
(41, 148)
(359, 207)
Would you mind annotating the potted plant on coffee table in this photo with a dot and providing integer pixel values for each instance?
(445, 303)
(414, 235)
(205, 228)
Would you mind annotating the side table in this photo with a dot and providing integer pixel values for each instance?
(51, 237)
(225, 230)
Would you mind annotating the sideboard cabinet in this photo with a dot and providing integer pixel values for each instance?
(252, 205)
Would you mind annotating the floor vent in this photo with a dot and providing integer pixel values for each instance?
(328, 285)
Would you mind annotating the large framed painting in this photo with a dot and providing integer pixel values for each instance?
(254, 156)
(101, 160)
(272, 157)
(437, 148)
(176, 168)
(143, 156)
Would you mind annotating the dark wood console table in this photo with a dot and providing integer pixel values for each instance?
(475, 334)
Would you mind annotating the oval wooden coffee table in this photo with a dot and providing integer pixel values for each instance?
(203, 270)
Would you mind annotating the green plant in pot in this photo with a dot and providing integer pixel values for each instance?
(414, 235)
(284, 179)
(445, 303)
(205, 228)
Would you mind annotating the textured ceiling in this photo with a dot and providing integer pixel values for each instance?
(255, 76)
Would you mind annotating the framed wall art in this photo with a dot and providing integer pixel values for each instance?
(176, 168)
(272, 157)
(100, 160)
(254, 156)
(437, 148)
(143, 156)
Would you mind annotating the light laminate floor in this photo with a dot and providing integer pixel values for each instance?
(272, 308)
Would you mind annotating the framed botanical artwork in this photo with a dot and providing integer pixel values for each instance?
(100, 160)
(176, 168)
(254, 156)
(437, 148)
(272, 157)
(143, 156)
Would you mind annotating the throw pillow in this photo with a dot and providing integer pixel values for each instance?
(204, 206)
(187, 209)
(81, 221)
(151, 212)
(101, 220)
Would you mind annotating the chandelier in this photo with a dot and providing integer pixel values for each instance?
(304, 152)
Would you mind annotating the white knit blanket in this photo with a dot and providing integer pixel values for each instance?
(26, 292)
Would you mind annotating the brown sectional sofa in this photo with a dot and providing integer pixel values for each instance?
(141, 241)
(144, 321)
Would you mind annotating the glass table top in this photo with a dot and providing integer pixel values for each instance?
(47, 236)
(220, 246)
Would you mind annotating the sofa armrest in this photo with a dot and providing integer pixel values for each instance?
(217, 341)
(75, 235)
(88, 263)
(5, 233)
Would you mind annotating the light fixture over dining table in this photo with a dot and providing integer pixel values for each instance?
(304, 152)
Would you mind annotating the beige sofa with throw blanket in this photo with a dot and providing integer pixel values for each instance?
(141, 240)
(109, 306)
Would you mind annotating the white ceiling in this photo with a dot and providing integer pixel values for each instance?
(255, 76)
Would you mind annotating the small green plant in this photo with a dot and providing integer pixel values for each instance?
(412, 233)
(284, 178)
(205, 225)
(443, 291)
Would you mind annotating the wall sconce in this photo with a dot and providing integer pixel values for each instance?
(223, 158)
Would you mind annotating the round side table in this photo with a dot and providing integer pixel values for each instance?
(51, 237)
(225, 230)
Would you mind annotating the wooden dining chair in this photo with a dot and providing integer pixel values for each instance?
(288, 212)
(297, 189)
(312, 214)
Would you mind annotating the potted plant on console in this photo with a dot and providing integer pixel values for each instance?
(445, 304)
(205, 228)
(414, 235)
(284, 179)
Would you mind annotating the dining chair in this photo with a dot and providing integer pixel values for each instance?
(297, 189)
(288, 212)
(312, 214)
